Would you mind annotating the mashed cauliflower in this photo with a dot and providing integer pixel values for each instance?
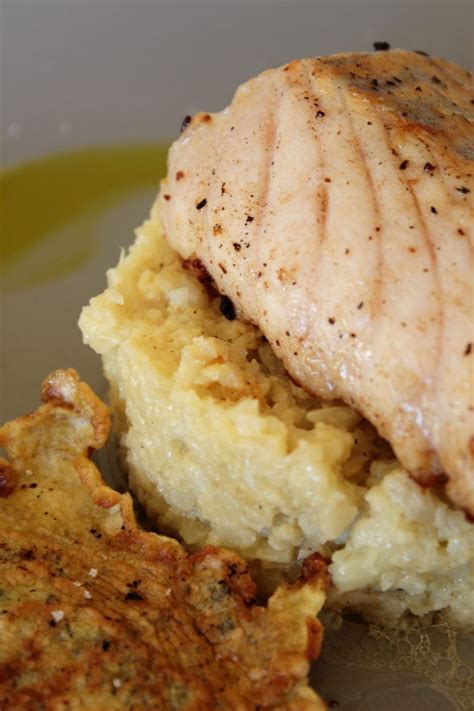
(223, 448)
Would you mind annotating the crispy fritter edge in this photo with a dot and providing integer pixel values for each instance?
(62, 390)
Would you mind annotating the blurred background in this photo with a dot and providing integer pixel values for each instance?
(76, 72)
(91, 93)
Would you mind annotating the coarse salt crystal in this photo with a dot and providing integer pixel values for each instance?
(77, 583)
(168, 592)
(87, 594)
(93, 572)
(117, 683)
(57, 615)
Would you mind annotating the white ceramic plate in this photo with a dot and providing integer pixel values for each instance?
(76, 74)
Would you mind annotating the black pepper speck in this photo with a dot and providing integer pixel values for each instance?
(186, 121)
(133, 595)
(227, 309)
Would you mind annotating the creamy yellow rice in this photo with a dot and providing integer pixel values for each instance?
(223, 448)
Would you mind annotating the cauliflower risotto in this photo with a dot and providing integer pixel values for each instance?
(222, 447)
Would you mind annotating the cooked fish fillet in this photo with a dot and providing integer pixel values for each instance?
(331, 202)
(97, 614)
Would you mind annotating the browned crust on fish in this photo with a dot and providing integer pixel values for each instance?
(390, 137)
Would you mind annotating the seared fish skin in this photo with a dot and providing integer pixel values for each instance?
(332, 203)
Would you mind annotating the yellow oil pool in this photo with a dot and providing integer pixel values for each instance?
(43, 196)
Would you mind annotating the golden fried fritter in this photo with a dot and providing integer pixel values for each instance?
(98, 614)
